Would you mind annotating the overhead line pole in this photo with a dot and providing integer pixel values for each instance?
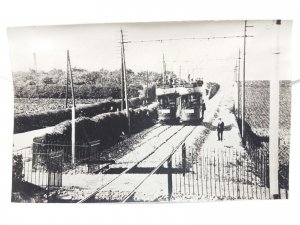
(35, 63)
(147, 86)
(235, 85)
(122, 77)
(125, 82)
(73, 135)
(164, 70)
(244, 80)
(67, 83)
(235, 73)
(180, 72)
(238, 83)
(243, 99)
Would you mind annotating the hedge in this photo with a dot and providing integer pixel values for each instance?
(214, 89)
(25, 122)
(103, 126)
(106, 128)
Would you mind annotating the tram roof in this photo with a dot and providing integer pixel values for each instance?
(188, 90)
(166, 91)
(181, 90)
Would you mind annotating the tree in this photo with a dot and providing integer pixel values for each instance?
(48, 80)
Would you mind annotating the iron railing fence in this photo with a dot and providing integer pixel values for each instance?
(45, 171)
(192, 174)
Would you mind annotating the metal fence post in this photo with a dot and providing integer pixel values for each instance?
(49, 175)
(184, 158)
(170, 183)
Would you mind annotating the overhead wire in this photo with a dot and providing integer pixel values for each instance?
(188, 38)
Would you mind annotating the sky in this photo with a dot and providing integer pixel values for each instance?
(96, 46)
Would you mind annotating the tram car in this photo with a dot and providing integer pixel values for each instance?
(166, 96)
(190, 102)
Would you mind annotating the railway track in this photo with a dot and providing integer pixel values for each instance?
(165, 159)
(144, 142)
(179, 136)
(107, 166)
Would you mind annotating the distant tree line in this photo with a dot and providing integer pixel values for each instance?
(87, 84)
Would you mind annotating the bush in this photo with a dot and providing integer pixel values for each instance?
(17, 173)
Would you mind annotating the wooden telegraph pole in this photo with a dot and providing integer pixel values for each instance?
(69, 70)
(125, 81)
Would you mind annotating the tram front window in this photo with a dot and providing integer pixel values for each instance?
(195, 99)
(185, 101)
(166, 101)
(190, 101)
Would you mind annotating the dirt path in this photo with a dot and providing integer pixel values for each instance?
(231, 135)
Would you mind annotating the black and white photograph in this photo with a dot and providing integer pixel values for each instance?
(190, 111)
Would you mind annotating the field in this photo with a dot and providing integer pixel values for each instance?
(258, 105)
(257, 116)
(34, 105)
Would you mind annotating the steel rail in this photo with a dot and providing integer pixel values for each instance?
(144, 142)
(128, 169)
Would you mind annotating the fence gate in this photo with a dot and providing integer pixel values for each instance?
(55, 167)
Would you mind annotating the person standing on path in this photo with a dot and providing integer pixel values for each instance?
(220, 129)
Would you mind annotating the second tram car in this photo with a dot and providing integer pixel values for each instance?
(189, 102)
